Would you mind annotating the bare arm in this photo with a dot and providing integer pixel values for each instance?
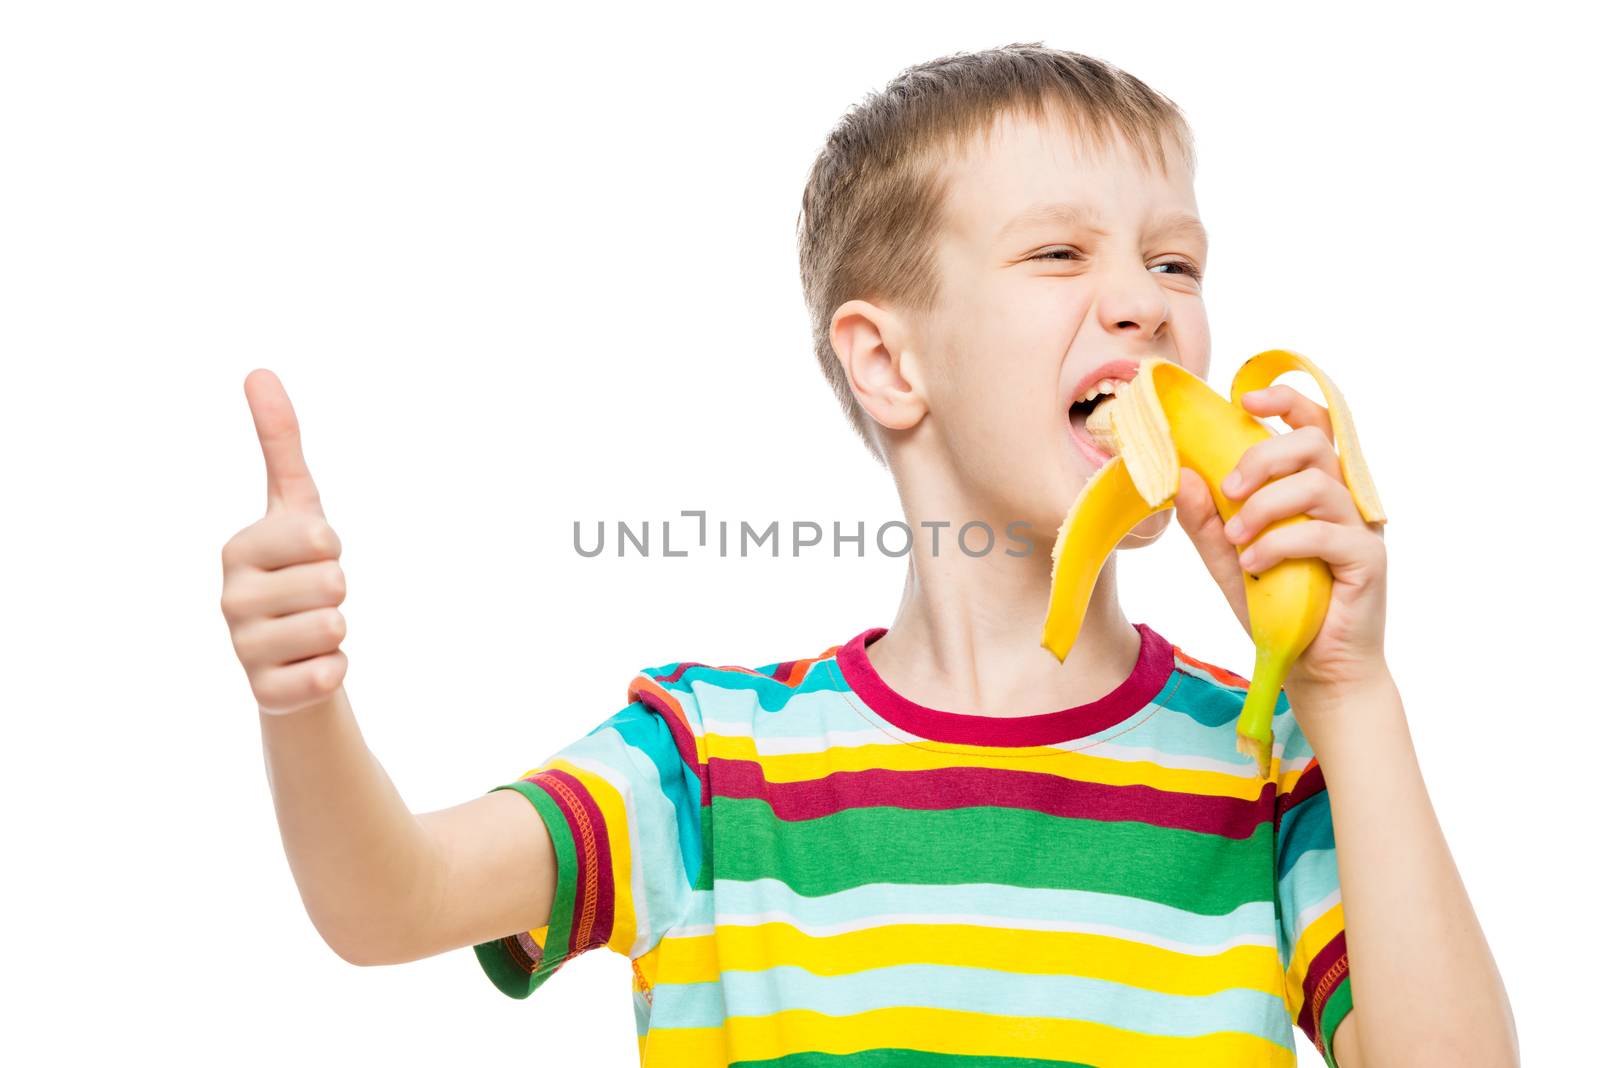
(1409, 924)
(380, 884)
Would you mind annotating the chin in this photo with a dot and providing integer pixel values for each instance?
(1147, 531)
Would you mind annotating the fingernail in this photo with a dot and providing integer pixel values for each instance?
(1230, 485)
(1231, 527)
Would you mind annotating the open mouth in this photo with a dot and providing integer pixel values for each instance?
(1100, 391)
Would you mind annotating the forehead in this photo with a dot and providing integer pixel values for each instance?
(1021, 163)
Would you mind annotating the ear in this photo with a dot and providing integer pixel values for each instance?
(870, 343)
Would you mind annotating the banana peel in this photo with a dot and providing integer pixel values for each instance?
(1167, 419)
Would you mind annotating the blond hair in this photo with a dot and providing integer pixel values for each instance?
(874, 200)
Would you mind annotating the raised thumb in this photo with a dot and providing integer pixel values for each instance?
(289, 484)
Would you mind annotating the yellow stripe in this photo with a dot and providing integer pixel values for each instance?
(701, 959)
(1317, 934)
(1085, 766)
(675, 1047)
(613, 809)
(756, 1038)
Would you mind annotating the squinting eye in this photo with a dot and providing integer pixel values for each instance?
(1056, 254)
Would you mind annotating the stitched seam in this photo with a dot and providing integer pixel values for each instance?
(644, 984)
(1325, 987)
(591, 889)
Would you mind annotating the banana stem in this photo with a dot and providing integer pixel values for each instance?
(1260, 702)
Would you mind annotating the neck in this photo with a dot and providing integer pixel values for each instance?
(966, 635)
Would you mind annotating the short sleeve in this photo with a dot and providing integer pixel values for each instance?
(624, 806)
(1310, 910)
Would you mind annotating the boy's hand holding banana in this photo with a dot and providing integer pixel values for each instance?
(281, 579)
(1291, 531)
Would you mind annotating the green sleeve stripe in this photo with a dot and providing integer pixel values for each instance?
(1334, 1010)
(502, 959)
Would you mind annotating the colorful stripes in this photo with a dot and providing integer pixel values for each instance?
(806, 869)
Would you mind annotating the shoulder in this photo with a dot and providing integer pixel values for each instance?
(688, 690)
(1226, 688)
(1208, 672)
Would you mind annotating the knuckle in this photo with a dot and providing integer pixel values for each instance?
(1309, 481)
(246, 646)
(274, 689)
(265, 694)
(319, 680)
(324, 538)
(1275, 458)
(333, 624)
(322, 675)
(1317, 438)
(334, 584)
(234, 550)
(329, 675)
(314, 532)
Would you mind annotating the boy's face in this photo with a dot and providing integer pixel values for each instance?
(1033, 305)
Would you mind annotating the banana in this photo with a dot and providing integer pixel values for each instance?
(1166, 419)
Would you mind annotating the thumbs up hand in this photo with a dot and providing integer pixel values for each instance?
(281, 579)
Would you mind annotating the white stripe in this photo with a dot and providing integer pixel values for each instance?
(779, 745)
(1311, 913)
(812, 744)
(1179, 761)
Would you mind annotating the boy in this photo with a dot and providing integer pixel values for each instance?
(883, 852)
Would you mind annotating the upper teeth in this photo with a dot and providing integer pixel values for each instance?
(1105, 385)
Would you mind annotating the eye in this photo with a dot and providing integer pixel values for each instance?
(1183, 267)
(1062, 254)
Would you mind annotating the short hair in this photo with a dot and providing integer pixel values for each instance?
(874, 201)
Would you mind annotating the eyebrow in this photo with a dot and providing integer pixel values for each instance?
(1177, 222)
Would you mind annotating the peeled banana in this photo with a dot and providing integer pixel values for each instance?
(1166, 419)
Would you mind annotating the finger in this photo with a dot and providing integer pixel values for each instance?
(262, 595)
(1343, 546)
(282, 539)
(1290, 405)
(289, 484)
(266, 643)
(294, 686)
(1281, 454)
(1311, 492)
(1197, 515)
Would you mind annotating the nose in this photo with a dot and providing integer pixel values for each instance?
(1131, 301)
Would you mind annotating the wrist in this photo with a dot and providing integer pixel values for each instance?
(1348, 717)
(1373, 680)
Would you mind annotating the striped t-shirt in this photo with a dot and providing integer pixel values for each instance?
(809, 870)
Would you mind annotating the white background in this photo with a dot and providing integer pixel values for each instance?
(518, 269)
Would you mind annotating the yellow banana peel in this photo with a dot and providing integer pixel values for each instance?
(1166, 419)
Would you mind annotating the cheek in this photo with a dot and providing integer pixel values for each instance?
(1193, 333)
